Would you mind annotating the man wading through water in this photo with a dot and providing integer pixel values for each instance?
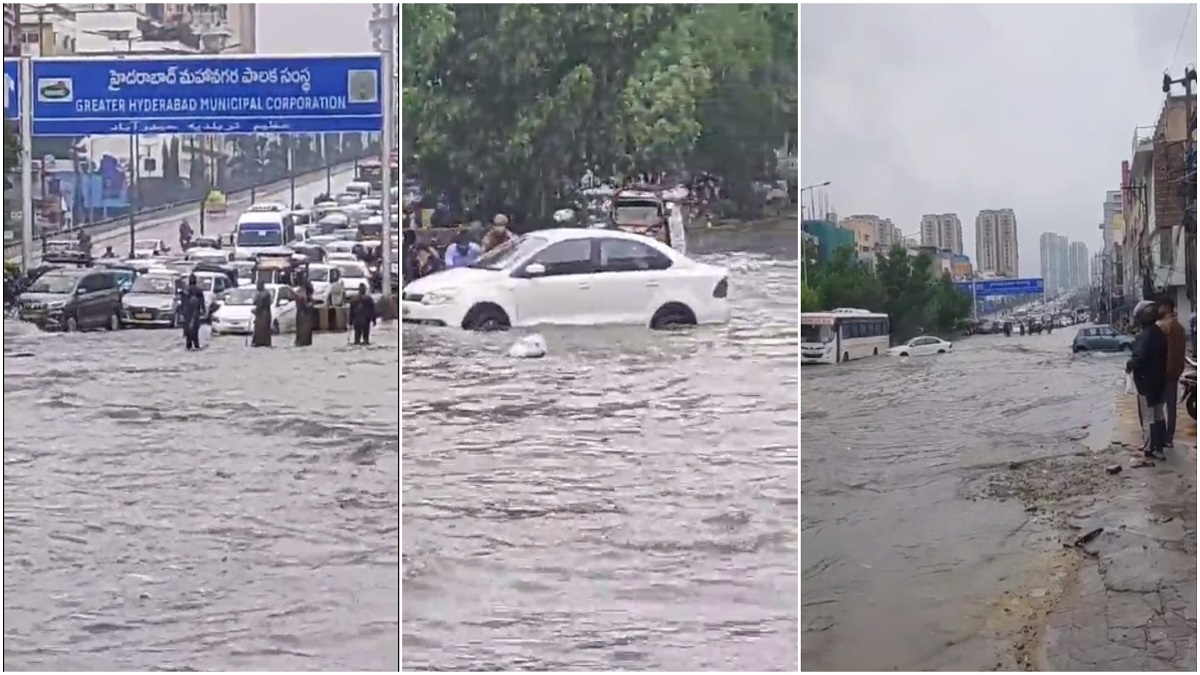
(1148, 365)
(261, 337)
(362, 315)
(304, 312)
(191, 306)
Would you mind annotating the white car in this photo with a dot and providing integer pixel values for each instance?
(212, 255)
(149, 248)
(924, 345)
(572, 276)
(236, 312)
(353, 272)
(328, 287)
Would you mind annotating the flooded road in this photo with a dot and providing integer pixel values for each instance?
(628, 502)
(901, 551)
(230, 509)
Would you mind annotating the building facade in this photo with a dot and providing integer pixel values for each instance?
(1055, 263)
(1080, 266)
(12, 29)
(1158, 205)
(943, 231)
(996, 250)
(873, 234)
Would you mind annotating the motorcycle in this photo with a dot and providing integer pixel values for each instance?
(1188, 380)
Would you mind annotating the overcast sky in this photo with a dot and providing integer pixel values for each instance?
(938, 108)
(339, 28)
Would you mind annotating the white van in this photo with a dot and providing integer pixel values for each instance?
(359, 188)
(261, 232)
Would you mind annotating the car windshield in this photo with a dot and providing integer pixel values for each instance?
(260, 236)
(241, 296)
(154, 285)
(815, 333)
(510, 252)
(352, 271)
(318, 274)
(54, 283)
(637, 213)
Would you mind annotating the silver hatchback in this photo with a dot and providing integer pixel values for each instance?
(1101, 339)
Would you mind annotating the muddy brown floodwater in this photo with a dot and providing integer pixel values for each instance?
(628, 502)
(229, 509)
(909, 536)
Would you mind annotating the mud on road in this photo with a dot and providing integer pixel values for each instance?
(937, 497)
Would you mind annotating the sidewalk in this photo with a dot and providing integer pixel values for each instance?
(1132, 606)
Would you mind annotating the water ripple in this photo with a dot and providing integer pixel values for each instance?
(231, 509)
(628, 502)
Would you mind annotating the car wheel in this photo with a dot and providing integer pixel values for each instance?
(1078, 349)
(1127, 347)
(174, 321)
(903, 353)
(672, 315)
(1191, 407)
(486, 317)
(114, 321)
(941, 351)
(71, 326)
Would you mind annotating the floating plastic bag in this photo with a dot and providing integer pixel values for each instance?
(1130, 385)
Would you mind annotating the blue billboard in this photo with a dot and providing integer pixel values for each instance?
(995, 288)
(12, 89)
(207, 95)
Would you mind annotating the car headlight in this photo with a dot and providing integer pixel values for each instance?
(56, 305)
(439, 297)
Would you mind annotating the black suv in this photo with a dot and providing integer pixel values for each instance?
(72, 299)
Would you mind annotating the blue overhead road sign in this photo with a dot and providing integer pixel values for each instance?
(12, 89)
(1002, 287)
(217, 95)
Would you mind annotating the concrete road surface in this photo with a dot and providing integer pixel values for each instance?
(167, 227)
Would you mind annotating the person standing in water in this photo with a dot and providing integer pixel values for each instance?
(362, 316)
(304, 312)
(191, 306)
(261, 336)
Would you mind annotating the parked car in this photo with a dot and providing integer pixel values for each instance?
(925, 345)
(1101, 339)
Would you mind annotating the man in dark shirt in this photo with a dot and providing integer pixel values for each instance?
(362, 315)
(1148, 365)
(1176, 350)
(191, 306)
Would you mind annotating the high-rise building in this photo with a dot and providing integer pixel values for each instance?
(1058, 263)
(1112, 209)
(942, 231)
(996, 243)
(873, 233)
(1080, 272)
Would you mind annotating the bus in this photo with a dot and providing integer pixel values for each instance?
(370, 171)
(842, 335)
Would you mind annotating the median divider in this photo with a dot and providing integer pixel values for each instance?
(181, 208)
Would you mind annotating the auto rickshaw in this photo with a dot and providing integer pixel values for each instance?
(215, 203)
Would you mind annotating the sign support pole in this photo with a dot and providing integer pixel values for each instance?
(385, 143)
(133, 178)
(26, 163)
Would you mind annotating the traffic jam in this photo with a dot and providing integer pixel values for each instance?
(333, 250)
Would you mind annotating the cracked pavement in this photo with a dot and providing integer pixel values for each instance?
(1134, 604)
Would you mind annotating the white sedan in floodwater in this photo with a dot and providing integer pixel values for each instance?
(925, 345)
(572, 276)
(235, 315)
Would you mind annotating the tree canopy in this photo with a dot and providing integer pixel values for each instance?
(508, 105)
(904, 287)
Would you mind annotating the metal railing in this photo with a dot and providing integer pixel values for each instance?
(190, 204)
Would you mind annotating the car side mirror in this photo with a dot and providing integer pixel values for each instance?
(535, 270)
(80, 291)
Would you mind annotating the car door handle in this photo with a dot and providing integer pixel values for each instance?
(584, 284)
(651, 284)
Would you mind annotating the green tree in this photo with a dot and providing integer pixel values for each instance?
(12, 150)
(507, 105)
(905, 287)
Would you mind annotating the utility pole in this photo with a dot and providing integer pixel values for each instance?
(1188, 179)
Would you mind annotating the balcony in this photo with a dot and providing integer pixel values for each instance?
(1142, 149)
